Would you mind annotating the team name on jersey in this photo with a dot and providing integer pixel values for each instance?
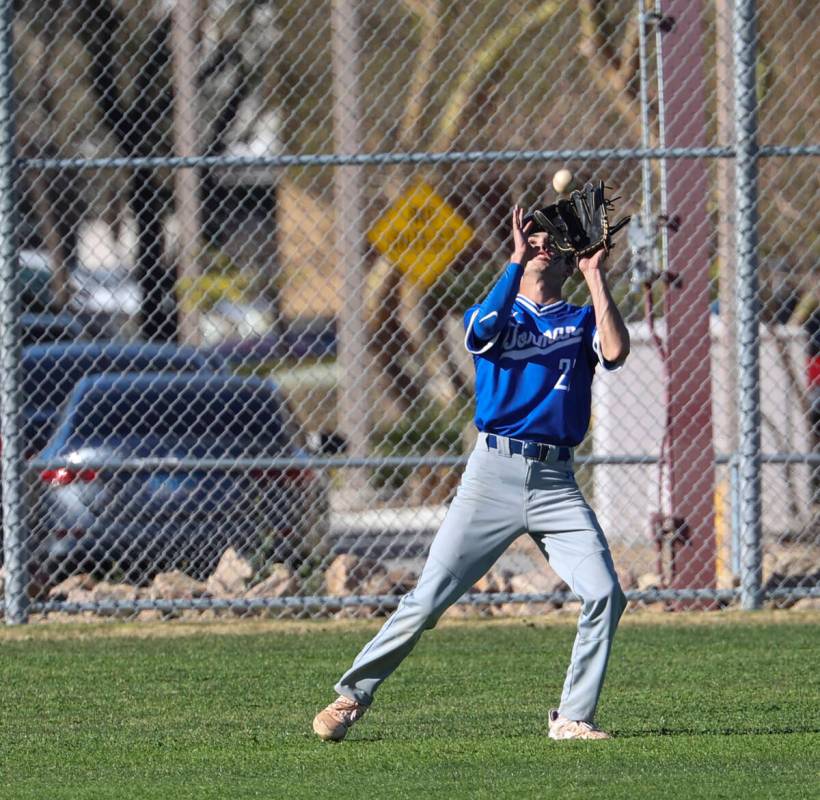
(516, 337)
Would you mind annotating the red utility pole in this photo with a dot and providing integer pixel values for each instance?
(690, 450)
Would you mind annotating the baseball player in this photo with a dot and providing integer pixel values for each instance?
(535, 356)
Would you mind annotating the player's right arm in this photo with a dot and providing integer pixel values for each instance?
(611, 330)
(485, 323)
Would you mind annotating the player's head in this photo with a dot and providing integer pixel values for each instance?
(543, 255)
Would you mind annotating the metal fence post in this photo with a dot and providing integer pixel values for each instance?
(12, 461)
(646, 140)
(748, 314)
(354, 407)
(734, 493)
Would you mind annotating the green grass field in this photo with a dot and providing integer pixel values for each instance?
(703, 706)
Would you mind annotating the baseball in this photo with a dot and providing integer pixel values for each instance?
(562, 181)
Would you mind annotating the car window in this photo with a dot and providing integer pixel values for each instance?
(48, 380)
(167, 415)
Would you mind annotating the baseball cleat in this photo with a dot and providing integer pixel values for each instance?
(563, 728)
(332, 724)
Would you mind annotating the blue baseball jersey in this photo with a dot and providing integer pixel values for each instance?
(534, 376)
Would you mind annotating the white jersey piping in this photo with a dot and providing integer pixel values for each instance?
(470, 330)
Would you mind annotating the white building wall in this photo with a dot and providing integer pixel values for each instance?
(628, 419)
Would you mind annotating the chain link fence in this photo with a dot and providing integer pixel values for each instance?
(238, 239)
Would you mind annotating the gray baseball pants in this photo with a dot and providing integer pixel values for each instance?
(502, 496)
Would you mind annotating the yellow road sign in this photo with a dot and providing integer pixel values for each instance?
(421, 234)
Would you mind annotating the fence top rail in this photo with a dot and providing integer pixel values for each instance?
(379, 159)
(337, 462)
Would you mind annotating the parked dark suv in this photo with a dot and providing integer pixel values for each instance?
(51, 371)
(92, 513)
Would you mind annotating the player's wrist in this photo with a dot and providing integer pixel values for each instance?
(593, 269)
(518, 257)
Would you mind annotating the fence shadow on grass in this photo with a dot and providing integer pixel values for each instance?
(768, 730)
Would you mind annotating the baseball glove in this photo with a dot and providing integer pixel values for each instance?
(580, 226)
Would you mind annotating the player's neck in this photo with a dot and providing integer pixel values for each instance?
(540, 290)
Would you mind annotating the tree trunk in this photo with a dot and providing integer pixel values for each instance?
(138, 130)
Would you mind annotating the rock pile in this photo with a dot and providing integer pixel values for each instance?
(235, 579)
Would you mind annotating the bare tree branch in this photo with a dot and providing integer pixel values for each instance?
(430, 17)
(629, 56)
(612, 71)
(476, 69)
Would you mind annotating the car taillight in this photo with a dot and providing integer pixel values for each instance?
(68, 533)
(299, 476)
(63, 476)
